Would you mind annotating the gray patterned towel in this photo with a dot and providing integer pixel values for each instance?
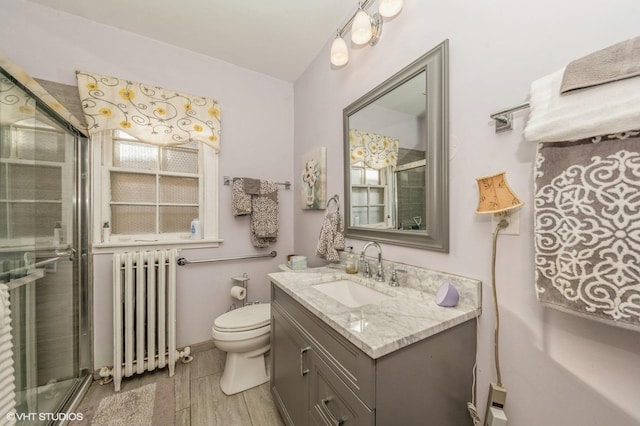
(331, 237)
(258, 198)
(587, 228)
(241, 201)
(264, 214)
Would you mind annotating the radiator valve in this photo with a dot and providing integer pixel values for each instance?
(106, 373)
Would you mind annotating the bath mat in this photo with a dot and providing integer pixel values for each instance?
(127, 408)
(149, 404)
(587, 228)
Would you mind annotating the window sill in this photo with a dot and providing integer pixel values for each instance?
(118, 246)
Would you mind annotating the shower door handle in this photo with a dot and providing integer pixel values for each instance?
(71, 252)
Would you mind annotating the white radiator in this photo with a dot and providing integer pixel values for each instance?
(7, 380)
(144, 313)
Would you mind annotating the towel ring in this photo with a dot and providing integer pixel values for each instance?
(336, 199)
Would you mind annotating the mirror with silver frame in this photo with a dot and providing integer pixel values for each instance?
(396, 144)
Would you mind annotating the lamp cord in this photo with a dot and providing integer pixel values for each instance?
(502, 224)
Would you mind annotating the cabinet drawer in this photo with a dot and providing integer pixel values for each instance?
(332, 402)
(355, 368)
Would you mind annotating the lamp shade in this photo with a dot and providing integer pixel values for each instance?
(495, 195)
(361, 30)
(339, 52)
(389, 8)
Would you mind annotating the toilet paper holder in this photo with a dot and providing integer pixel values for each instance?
(243, 281)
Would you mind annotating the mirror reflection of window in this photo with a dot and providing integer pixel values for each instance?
(371, 205)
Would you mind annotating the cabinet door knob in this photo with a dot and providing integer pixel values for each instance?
(328, 414)
(303, 370)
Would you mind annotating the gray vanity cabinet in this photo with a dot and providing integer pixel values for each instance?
(320, 378)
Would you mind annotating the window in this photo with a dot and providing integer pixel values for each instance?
(151, 193)
(369, 204)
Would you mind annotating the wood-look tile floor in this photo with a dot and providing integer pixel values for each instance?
(200, 402)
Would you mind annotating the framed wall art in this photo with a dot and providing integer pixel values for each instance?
(314, 179)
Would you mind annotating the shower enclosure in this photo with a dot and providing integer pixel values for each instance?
(43, 255)
(410, 193)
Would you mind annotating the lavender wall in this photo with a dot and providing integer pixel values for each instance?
(558, 369)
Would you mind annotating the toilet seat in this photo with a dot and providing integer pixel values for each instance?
(243, 323)
(246, 318)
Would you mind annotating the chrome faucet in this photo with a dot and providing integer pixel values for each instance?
(366, 272)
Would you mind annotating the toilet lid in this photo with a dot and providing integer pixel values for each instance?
(245, 318)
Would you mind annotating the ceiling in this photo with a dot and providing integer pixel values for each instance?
(279, 38)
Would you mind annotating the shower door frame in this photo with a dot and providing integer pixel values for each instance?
(81, 265)
(79, 252)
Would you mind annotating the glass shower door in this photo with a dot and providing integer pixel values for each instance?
(38, 266)
(410, 203)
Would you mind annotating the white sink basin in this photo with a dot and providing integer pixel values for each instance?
(351, 294)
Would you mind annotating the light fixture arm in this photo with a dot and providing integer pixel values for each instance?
(376, 26)
(363, 6)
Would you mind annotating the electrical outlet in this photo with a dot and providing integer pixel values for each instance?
(497, 398)
(512, 218)
(497, 417)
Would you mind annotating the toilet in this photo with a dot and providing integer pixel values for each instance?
(244, 334)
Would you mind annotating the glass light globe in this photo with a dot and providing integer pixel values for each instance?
(389, 8)
(339, 52)
(361, 30)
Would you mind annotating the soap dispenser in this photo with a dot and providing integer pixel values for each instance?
(352, 262)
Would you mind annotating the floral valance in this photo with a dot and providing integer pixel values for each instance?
(19, 105)
(149, 113)
(376, 151)
(16, 104)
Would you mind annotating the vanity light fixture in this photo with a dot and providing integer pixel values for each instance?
(365, 28)
(496, 197)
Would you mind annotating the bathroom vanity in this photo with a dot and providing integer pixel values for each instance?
(399, 360)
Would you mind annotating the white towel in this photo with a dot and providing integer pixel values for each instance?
(7, 378)
(610, 108)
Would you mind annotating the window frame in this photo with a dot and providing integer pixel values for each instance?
(102, 144)
(385, 181)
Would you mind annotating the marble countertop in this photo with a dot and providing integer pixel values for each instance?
(410, 315)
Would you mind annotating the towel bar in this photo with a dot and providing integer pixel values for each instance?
(504, 118)
(228, 180)
(182, 261)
